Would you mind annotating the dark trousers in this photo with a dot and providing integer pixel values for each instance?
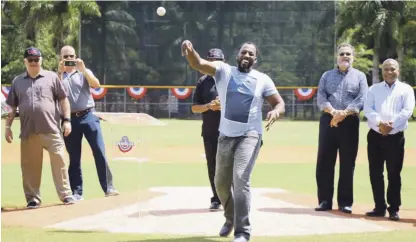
(88, 126)
(344, 139)
(210, 145)
(390, 149)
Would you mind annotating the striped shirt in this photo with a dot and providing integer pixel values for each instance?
(242, 96)
(342, 91)
(390, 104)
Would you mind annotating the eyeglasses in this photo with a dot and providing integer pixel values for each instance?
(344, 53)
(30, 60)
(68, 56)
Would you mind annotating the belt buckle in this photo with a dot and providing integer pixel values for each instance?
(78, 113)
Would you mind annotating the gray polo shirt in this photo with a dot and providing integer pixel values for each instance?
(78, 89)
(37, 100)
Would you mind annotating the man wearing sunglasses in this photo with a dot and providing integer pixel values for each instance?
(77, 80)
(341, 96)
(36, 93)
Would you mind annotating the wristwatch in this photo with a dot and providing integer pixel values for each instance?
(66, 119)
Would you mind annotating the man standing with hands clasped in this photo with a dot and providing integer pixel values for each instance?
(242, 91)
(77, 80)
(206, 101)
(388, 107)
(341, 95)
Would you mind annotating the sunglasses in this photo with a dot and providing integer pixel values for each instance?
(68, 56)
(30, 60)
(344, 53)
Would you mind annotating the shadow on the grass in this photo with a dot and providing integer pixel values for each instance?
(189, 239)
(312, 212)
(22, 208)
(75, 231)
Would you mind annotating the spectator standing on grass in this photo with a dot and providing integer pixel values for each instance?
(388, 107)
(38, 93)
(242, 91)
(77, 81)
(205, 102)
(341, 95)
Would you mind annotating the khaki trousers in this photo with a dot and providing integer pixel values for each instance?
(31, 150)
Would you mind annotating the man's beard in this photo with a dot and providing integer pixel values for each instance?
(246, 67)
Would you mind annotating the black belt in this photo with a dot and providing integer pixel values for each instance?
(81, 113)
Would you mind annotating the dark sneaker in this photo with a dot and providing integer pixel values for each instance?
(226, 229)
(394, 216)
(69, 200)
(215, 206)
(32, 205)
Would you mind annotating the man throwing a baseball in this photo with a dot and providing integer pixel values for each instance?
(242, 91)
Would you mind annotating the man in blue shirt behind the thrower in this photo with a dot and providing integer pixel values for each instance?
(242, 91)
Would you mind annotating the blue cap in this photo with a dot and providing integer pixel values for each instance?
(32, 51)
(215, 54)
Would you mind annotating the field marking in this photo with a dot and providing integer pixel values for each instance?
(183, 211)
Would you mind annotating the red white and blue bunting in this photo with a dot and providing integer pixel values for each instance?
(5, 90)
(98, 93)
(304, 94)
(136, 92)
(181, 93)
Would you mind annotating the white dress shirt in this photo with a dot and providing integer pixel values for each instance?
(392, 104)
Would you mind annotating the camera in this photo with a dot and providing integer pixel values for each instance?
(70, 63)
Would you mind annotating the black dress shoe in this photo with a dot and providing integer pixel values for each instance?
(394, 216)
(226, 229)
(376, 213)
(324, 206)
(345, 209)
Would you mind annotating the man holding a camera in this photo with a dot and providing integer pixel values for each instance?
(77, 80)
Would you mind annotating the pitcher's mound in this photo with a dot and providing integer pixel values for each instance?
(184, 211)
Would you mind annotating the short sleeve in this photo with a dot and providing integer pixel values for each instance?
(59, 91)
(222, 70)
(197, 98)
(89, 72)
(12, 98)
(269, 87)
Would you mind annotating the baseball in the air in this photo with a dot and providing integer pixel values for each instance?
(161, 11)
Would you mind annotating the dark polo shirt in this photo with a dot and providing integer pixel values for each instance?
(37, 100)
(205, 92)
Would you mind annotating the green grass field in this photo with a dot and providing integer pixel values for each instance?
(183, 137)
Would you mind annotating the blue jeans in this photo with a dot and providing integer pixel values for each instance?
(88, 126)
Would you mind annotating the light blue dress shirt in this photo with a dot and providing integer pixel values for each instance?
(392, 104)
(342, 90)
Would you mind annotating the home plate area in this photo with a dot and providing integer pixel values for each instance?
(183, 211)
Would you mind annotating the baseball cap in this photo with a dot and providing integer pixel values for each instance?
(32, 51)
(215, 54)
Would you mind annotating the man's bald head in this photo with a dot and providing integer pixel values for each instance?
(68, 53)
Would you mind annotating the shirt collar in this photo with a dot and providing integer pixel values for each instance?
(41, 73)
(392, 86)
(349, 69)
(66, 73)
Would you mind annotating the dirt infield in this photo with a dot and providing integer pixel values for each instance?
(145, 212)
